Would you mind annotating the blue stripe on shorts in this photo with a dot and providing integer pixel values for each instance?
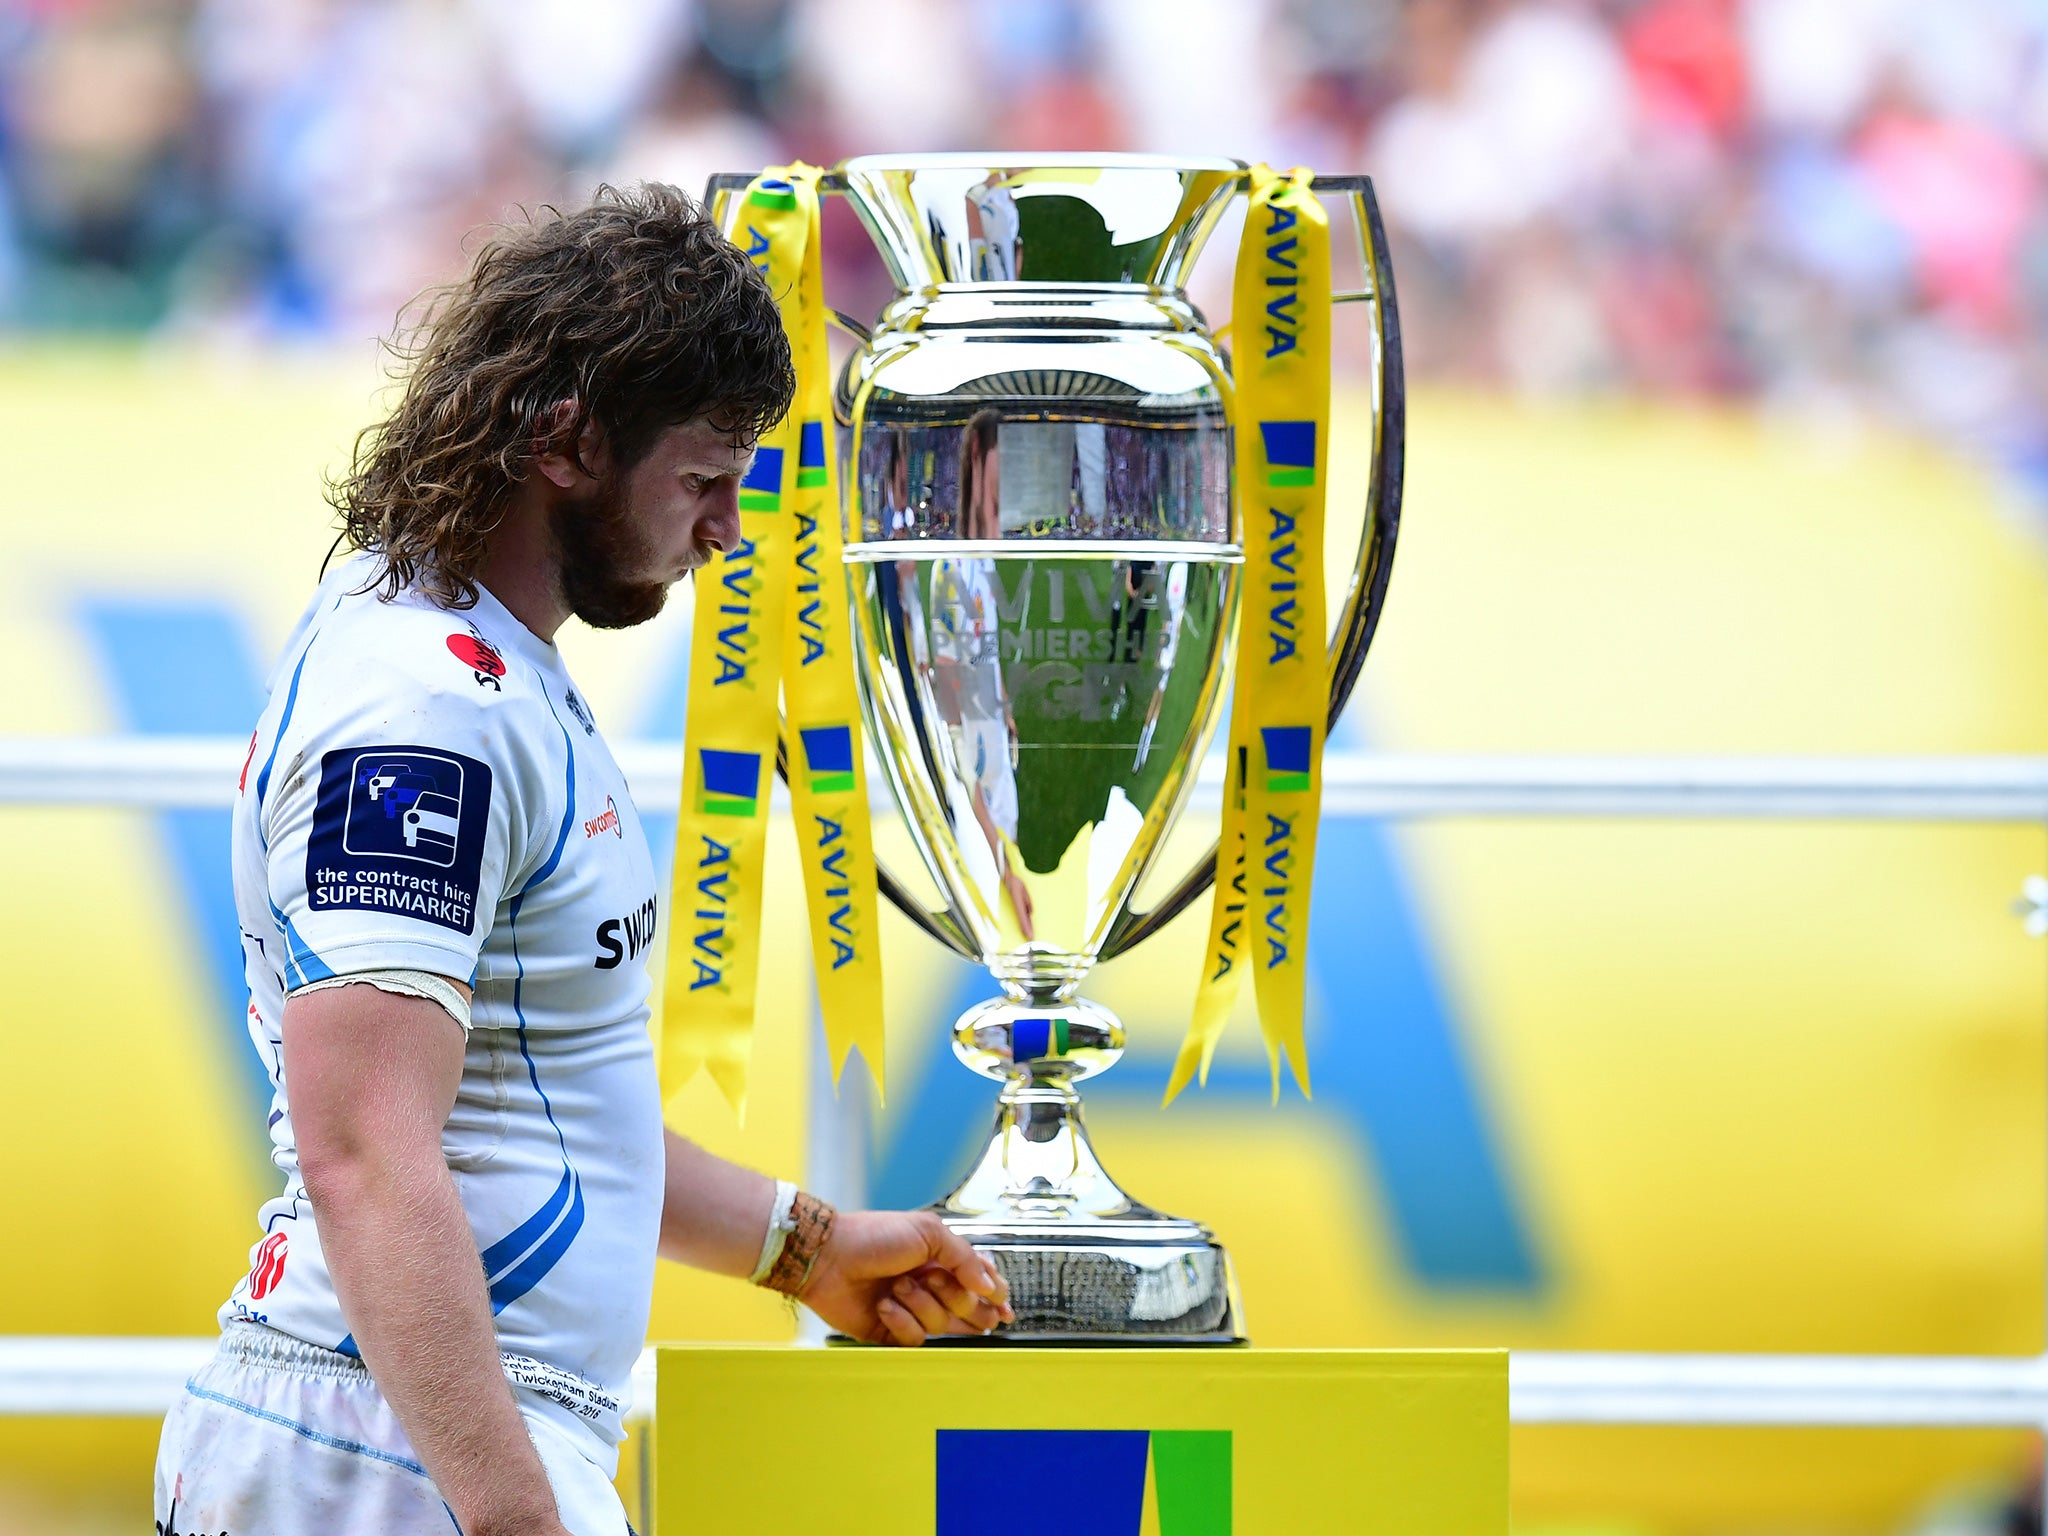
(331, 1441)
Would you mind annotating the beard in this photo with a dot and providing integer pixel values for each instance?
(594, 543)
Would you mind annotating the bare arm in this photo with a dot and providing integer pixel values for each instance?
(372, 1079)
(713, 1213)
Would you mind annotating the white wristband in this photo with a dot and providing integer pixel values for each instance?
(780, 1224)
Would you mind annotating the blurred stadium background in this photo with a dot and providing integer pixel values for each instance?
(1730, 436)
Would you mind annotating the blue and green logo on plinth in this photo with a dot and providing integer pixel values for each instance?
(1084, 1482)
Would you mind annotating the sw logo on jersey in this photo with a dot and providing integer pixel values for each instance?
(399, 829)
(761, 491)
(1290, 452)
(828, 755)
(620, 939)
(1287, 749)
(730, 780)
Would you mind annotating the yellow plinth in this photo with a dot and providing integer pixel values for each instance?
(1082, 1442)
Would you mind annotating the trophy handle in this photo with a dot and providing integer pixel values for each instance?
(1367, 594)
(942, 925)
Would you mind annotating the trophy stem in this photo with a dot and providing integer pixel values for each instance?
(1039, 1162)
(1085, 1262)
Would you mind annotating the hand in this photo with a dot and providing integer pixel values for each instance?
(897, 1277)
(1020, 902)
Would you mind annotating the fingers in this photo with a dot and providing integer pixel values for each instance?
(958, 1257)
(930, 1312)
(929, 1302)
(970, 1314)
(898, 1326)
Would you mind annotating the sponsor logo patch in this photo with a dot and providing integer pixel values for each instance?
(399, 829)
(608, 822)
(477, 654)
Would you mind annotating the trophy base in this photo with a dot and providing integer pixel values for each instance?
(1117, 1289)
(1086, 1264)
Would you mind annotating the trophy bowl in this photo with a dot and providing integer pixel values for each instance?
(1042, 546)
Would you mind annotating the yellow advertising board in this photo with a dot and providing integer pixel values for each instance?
(1086, 1442)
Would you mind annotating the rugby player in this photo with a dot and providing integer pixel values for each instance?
(447, 902)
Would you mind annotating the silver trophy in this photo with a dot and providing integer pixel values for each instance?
(1042, 545)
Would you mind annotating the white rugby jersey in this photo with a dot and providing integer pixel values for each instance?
(428, 791)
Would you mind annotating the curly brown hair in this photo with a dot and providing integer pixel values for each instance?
(636, 310)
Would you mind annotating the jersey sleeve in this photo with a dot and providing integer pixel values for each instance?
(403, 821)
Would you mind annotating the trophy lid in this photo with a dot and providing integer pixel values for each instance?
(1040, 218)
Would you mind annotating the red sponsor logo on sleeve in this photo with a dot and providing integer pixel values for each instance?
(268, 1269)
(478, 654)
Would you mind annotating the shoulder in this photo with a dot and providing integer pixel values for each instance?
(413, 658)
(403, 680)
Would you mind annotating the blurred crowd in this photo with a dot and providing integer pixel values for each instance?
(1830, 206)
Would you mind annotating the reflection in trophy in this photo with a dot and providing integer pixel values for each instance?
(967, 676)
(1044, 556)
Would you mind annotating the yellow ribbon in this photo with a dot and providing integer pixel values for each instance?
(828, 782)
(1273, 791)
(773, 611)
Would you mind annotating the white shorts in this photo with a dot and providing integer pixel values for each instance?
(276, 1437)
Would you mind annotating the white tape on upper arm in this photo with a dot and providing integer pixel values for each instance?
(421, 984)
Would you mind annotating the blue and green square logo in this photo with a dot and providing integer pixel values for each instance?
(771, 192)
(1038, 1039)
(730, 782)
(1287, 751)
(1290, 453)
(810, 456)
(1084, 1482)
(828, 758)
(761, 491)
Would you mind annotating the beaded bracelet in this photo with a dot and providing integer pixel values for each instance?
(810, 1226)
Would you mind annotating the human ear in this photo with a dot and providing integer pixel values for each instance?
(571, 471)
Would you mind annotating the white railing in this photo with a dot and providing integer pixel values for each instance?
(132, 1378)
(169, 772)
(141, 1376)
